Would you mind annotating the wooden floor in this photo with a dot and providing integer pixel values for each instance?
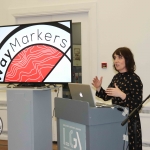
(55, 146)
(4, 145)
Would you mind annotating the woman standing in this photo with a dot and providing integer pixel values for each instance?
(125, 89)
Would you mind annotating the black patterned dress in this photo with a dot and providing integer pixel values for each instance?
(131, 85)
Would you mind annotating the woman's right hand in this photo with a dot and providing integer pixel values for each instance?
(97, 83)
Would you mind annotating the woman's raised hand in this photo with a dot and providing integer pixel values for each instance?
(97, 83)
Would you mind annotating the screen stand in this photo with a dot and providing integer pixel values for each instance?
(30, 85)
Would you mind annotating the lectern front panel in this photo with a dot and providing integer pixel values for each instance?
(72, 135)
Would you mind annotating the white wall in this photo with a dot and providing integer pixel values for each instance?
(111, 24)
(125, 23)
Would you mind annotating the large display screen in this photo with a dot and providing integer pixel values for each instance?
(36, 53)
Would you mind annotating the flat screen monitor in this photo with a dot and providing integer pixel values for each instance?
(36, 53)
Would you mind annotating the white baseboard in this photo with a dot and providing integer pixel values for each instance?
(3, 137)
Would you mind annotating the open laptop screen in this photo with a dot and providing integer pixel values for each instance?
(82, 92)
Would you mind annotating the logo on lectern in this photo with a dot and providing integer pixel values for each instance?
(1, 126)
(72, 136)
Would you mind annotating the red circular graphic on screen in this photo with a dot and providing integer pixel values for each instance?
(33, 64)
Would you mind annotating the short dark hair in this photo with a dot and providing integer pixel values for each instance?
(128, 56)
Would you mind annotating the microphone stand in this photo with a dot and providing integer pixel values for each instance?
(136, 110)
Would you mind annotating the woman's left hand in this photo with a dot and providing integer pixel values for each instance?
(116, 92)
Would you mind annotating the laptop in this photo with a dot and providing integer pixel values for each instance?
(83, 92)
